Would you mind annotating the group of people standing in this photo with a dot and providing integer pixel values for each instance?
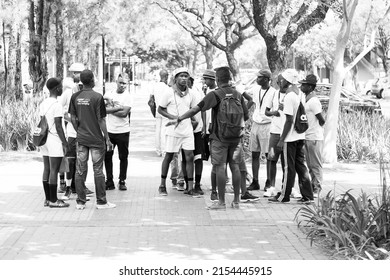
(181, 108)
(83, 122)
(189, 129)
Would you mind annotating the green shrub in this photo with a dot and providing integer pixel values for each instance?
(17, 121)
(362, 137)
(353, 227)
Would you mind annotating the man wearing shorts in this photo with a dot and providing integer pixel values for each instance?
(260, 131)
(174, 102)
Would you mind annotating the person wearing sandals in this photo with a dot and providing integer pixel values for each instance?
(55, 147)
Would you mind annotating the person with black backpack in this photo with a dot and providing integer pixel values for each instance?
(292, 141)
(229, 114)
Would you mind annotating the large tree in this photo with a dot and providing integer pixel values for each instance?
(340, 70)
(222, 24)
(282, 22)
(39, 27)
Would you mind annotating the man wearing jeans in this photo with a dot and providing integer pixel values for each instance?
(88, 115)
(118, 108)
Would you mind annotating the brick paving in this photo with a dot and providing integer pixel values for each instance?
(145, 225)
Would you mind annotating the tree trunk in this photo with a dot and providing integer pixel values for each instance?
(329, 154)
(18, 64)
(11, 64)
(209, 51)
(39, 19)
(232, 62)
(59, 39)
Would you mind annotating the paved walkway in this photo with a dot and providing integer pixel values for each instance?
(145, 225)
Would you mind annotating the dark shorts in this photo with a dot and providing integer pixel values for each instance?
(242, 164)
(71, 153)
(222, 153)
(273, 144)
(198, 141)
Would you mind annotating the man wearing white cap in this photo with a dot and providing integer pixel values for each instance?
(293, 143)
(174, 102)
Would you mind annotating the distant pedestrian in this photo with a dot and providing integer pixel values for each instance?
(56, 145)
(293, 144)
(88, 114)
(315, 133)
(118, 108)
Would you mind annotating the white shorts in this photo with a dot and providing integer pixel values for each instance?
(52, 147)
(174, 144)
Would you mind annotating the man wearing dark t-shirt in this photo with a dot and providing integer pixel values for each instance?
(222, 150)
(88, 113)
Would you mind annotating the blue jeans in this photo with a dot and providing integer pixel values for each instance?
(97, 155)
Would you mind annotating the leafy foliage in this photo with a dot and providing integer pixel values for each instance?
(354, 227)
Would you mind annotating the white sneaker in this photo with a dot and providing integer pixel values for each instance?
(80, 206)
(270, 192)
(108, 205)
(295, 193)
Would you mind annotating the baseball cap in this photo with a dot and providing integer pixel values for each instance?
(264, 73)
(209, 74)
(76, 67)
(310, 79)
(290, 75)
(180, 70)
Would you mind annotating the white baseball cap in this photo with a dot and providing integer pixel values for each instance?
(291, 75)
(76, 67)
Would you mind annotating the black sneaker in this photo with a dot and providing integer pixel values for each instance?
(198, 189)
(67, 194)
(192, 193)
(305, 201)
(62, 187)
(249, 197)
(122, 186)
(162, 190)
(275, 199)
(110, 185)
(254, 186)
(214, 195)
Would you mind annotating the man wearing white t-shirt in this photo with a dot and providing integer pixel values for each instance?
(260, 132)
(118, 109)
(315, 132)
(174, 102)
(293, 144)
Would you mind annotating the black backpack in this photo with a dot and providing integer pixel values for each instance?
(230, 116)
(301, 123)
(41, 131)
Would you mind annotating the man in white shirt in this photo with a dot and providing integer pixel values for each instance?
(118, 107)
(315, 132)
(293, 143)
(174, 102)
(260, 95)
